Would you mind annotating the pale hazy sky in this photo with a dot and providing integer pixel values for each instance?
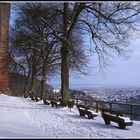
(121, 72)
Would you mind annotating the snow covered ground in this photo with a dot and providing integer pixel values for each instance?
(22, 118)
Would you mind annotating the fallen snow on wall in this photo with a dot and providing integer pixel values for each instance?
(21, 117)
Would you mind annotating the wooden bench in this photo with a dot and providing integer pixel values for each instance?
(70, 104)
(37, 99)
(31, 96)
(55, 103)
(46, 102)
(25, 95)
(117, 117)
(86, 111)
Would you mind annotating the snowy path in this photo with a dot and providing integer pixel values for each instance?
(21, 117)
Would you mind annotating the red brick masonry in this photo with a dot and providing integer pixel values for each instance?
(4, 41)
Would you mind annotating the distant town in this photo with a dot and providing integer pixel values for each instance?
(127, 95)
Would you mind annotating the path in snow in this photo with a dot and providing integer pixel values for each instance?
(21, 117)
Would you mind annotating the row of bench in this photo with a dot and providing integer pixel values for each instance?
(53, 103)
(107, 115)
(57, 104)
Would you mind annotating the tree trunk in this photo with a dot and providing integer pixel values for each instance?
(65, 75)
(26, 85)
(65, 59)
(33, 80)
(27, 81)
(42, 83)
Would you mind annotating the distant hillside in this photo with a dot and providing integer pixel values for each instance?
(17, 83)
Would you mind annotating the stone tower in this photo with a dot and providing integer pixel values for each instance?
(4, 41)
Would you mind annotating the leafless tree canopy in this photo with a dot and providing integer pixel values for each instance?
(109, 25)
(34, 41)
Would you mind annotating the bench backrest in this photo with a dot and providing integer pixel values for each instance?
(113, 117)
(83, 106)
(113, 112)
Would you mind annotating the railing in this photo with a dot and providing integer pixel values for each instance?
(125, 108)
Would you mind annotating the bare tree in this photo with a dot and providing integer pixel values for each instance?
(40, 47)
(108, 24)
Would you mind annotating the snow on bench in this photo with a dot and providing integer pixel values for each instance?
(93, 112)
(55, 103)
(81, 108)
(126, 119)
(87, 112)
(46, 102)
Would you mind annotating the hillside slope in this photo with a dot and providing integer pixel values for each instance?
(17, 83)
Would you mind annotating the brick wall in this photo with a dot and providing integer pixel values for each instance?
(4, 41)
